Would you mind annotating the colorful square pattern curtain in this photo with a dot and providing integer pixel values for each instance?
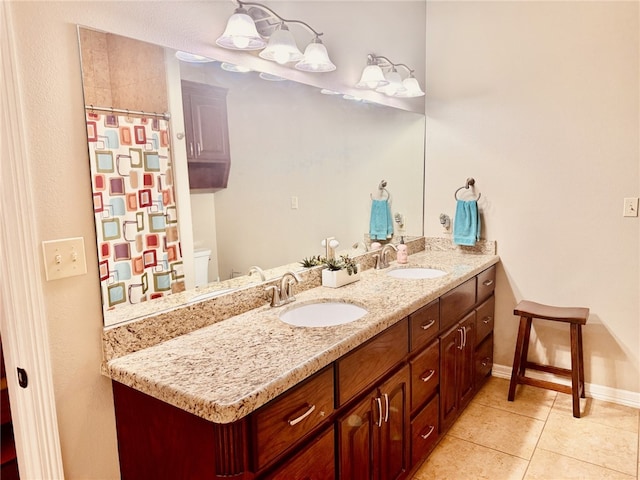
(135, 211)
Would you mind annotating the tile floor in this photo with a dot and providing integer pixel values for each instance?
(536, 437)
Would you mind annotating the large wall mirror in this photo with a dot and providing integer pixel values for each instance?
(304, 166)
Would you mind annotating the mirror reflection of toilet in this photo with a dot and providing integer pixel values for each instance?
(201, 259)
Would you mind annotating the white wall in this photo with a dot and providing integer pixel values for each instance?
(539, 102)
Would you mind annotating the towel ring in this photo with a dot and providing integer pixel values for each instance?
(381, 191)
(470, 183)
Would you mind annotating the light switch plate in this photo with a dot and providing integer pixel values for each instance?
(630, 207)
(64, 258)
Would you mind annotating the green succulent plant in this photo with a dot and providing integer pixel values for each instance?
(342, 263)
(312, 261)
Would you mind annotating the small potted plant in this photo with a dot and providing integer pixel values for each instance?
(340, 271)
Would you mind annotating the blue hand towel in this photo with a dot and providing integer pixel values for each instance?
(466, 225)
(381, 223)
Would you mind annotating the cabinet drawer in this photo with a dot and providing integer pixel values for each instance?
(285, 420)
(485, 319)
(484, 360)
(424, 325)
(424, 431)
(314, 462)
(486, 283)
(457, 302)
(359, 369)
(425, 375)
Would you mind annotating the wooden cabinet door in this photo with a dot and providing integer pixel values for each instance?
(315, 462)
(210, 132)
(466, 360)
(448, 373)
(395, 429)
(359, 439)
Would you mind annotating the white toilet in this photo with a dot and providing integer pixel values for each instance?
(201, 259)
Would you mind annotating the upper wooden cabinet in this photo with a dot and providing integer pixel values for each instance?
(206, 135)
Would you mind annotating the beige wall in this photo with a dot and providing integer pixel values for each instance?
(539, 102)
(51, 89)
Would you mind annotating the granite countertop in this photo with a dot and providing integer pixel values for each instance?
(227, 370)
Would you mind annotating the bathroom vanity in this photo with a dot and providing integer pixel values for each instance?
(252, 397)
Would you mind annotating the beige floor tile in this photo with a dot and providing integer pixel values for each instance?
(547, 465)
(593, 442)
(494, 428)
(605, 413)
(455, 459)
(530, 401)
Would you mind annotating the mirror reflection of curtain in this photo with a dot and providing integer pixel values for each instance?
(134, 205)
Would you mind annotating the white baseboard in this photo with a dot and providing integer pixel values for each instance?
(599, 392)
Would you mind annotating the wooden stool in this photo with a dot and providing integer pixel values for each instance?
(575, 317)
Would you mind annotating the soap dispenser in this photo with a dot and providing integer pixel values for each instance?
(403, 254)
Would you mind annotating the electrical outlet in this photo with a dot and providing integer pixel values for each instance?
(64, 258)
(630, 207)
(294, 203)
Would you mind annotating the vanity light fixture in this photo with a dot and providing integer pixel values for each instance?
(390, 82)
(247, 30)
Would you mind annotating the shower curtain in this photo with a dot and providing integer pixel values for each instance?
(134, 205)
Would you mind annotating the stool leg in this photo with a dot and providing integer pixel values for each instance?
(581, 357)
(575, 370)
(519, 363)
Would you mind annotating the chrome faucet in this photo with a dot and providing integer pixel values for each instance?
(359, 244)
(259, 271)
(286, 286)
(283, 294)
(381, 259)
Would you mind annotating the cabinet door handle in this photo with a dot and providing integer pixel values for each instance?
(487, 319)
(379, 411)
(486, 361)
(198, 149)
(427, 326)
(386, 410)
(461, 332)
(428, 377)
(428, 434)
(464, 337)
(191, 149)
(295, 421)
(487, 283)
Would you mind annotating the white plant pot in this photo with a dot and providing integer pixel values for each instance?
(338, 278)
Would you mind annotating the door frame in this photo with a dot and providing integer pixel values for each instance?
(23, 320)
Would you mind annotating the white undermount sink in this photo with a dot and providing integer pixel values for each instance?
(322, 314)
(416, 273)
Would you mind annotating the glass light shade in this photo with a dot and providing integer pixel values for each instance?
(192, 57)
(282, 47)
(412, 88)
(241, 33)
(316, 58)
(394, 87)
(372, 77)
(230, 67)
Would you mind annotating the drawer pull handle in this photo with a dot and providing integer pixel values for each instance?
(487, 319)
(486, 362)
(487, 283)
(428, 434)
(428, 377)
(295, 421)
(379, 411)
(427, 326)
